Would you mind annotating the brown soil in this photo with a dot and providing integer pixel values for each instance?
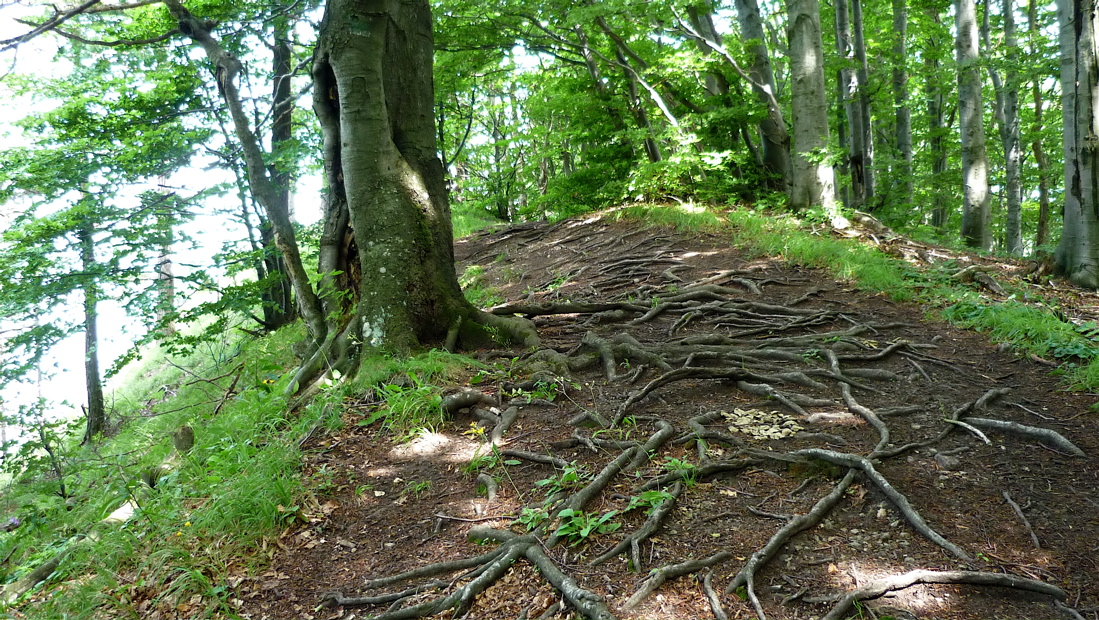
(378, 502)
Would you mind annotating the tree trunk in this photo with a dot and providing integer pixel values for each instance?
(903, 116)
(976, 232)
(866, 157)
(97, 412)
(373, 94)
(812, 173)
(226, 67)
(1007, 116)
(776, 139)
(1077, 255)
(1042, 236)
(277, 296)
(165, 282)
(936, 128)
(849, 91)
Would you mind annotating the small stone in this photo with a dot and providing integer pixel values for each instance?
(948, 463)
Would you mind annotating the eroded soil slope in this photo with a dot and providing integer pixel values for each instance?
(709, 401)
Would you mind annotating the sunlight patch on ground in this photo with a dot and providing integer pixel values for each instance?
(437, 446)
(919, 599)
(690, 207)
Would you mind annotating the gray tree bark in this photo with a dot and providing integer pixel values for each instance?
(866, 156)
(1042, 236)
(812, 173)
(937, 127)
(96, 412)
(772, 128)
(1007, 117)
(976, 231)
(1077, 255)
(902, 114)
(849, 93)
(374, 97)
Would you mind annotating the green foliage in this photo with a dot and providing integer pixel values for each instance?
(409, 389)
(211, 509)
(569, 478)
(649, 500)
(577, 525)
(475, 290)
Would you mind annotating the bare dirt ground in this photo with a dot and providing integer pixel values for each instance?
(755, 394)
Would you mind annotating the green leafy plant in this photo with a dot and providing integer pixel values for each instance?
(689, 470)
(570, 477)
(577, 525)
(531, 518)
(649, 500)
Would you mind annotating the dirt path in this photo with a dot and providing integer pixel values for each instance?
(748, 391)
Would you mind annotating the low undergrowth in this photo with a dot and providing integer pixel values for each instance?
(214, 511)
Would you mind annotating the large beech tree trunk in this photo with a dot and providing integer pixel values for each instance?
(386, 254)
(813, 179)
(976, 231)
(373, 94)
(1077, 255)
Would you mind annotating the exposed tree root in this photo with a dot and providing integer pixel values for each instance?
(798, 524)
(661, 575)
(647, 529)
(879, 587)
(898, 499)
(1047, 436)
(812, 362)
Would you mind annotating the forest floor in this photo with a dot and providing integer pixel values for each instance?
(747, 365)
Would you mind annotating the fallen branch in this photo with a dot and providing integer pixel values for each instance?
(879, 587)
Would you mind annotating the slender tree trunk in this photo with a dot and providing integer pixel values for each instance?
(165, 282)
(936, 128)
(850, 92)
(277, 296)
(96, 412)
(863, 71)
(902, 114)
(1007, 117)
(1077, 254)
(1040, 160)
(976, 231)
(226, 67)
(772, 128)
(812, 173)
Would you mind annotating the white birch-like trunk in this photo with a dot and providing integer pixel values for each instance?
(976, 232)
(812, 173)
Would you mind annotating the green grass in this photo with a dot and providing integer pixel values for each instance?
(475, 289)
(205, 521)
(410, 388)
